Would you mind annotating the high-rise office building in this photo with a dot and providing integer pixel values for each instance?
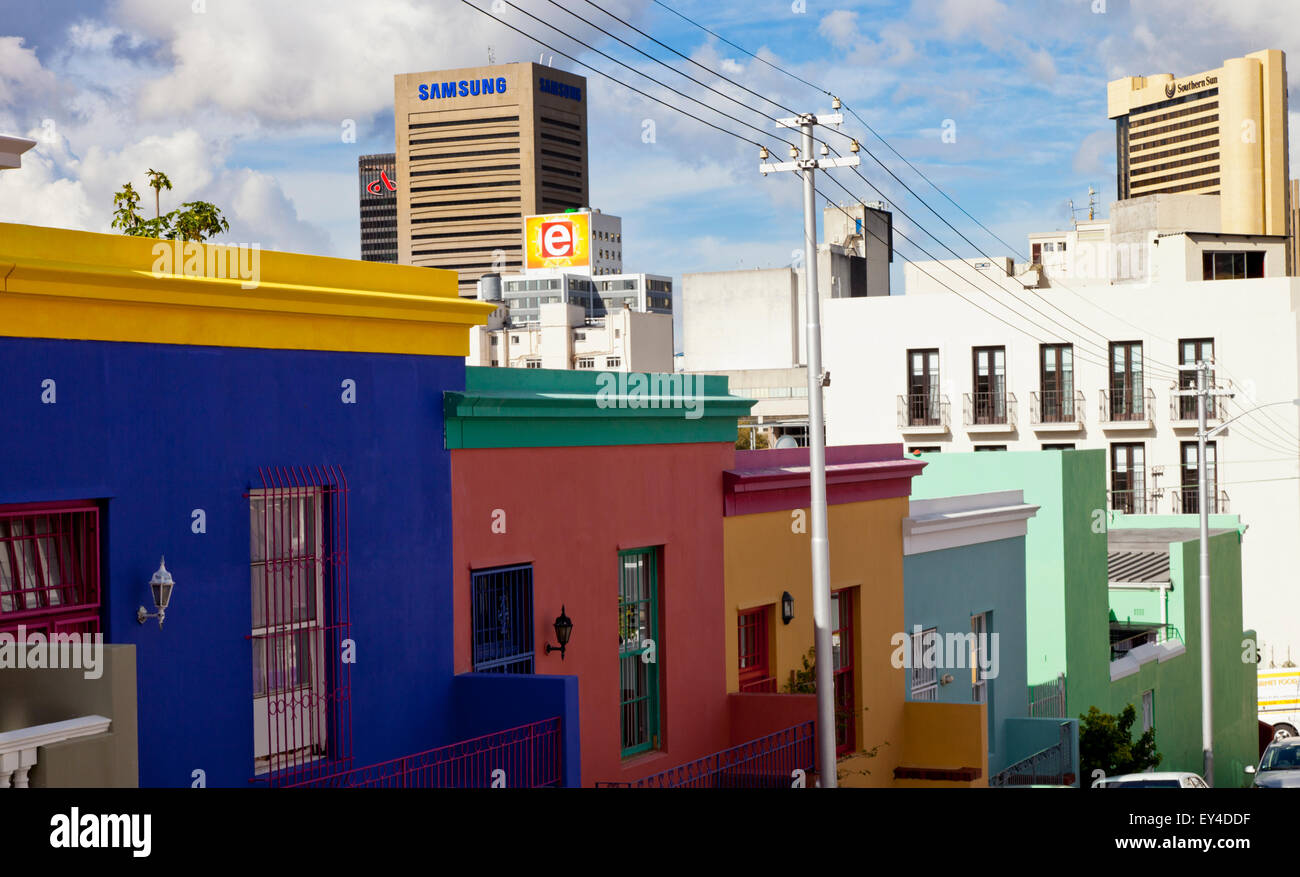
(1219, 132)
(478, 149)
(377, 175)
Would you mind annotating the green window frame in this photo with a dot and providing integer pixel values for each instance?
(638, 645)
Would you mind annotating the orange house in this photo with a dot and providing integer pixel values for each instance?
(880, 739)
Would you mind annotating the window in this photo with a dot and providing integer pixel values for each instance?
(924, 680)
(924, 449)
(1190, 352)
(1037, 254)
(638, 649)
(1060, 446)
(287, 558)
(1221, 265)
(979, 657)
(752, 650)
(49, 568)
(532, 363)
(1128, 478)
(613, 362)
(990, 447)
(1126, 384)
(503, 619)
(842, 660)
(1056, 377)
(1189, 480)
(586, 362)
(923, 387)
(514, 339)
(990, 383)
(1148, 710)
(1049, 247)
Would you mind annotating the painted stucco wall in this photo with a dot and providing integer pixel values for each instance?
(766, 556)
(944, 589)
(568, 511)
(155, 431)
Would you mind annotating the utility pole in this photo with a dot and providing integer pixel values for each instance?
(1203, 392)
(804, 163)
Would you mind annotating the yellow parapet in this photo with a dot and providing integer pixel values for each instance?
(56, 283)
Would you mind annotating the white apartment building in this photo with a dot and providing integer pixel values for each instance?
(938, 374)
(565, 337)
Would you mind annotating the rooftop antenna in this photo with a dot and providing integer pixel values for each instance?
(492, 57)
(1092, 208)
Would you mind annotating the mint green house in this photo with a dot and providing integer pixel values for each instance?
(1112, 605)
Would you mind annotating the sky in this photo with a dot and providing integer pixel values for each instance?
(264, 107)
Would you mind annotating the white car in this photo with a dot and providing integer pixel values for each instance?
(1164, 780)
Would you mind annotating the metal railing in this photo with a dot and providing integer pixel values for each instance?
(765, 763)
(921, 409)
(1187, 501)
(1135, 500)
(1159, 634)
(1054, 406)
(1183, 408)
(1047, 699)
(1051, 766)
(989, 409)
(1128, 406)
(524, 757)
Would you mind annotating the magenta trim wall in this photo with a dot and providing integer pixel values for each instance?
(777, 480)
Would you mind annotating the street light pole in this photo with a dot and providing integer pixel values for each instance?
(1207, 681)
(820, 542)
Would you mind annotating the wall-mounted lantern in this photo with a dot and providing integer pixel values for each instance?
(563, 630)
(161, 585)
(787, 608)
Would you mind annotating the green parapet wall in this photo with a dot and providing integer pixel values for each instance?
(543, 408)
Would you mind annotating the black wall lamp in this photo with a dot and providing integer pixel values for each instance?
(787, 608)
(563, 630)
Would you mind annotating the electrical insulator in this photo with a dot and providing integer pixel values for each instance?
(853, 147)
(835, 103)
(794, 152)
(825, 149)
(762, 153)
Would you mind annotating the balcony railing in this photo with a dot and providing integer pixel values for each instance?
(1158, 634)
(1054, 406)
(1128, 406)
(18, 749)
(989, 409)
(929, 412)
(1187, 501)
(765, 763)
(1132, 500)
(1051, 766)
(1182, 409)
(1047, 699)
(526, 757)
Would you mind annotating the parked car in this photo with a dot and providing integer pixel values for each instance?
(1162, 780)
(1279, 768)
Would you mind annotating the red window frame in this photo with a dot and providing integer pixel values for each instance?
(753, 662)
(49, 572)
(846, 726)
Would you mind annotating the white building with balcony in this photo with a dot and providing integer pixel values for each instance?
(1099, 370)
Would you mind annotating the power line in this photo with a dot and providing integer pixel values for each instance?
(1268, 417)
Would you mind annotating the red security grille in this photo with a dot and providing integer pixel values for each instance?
(301, 621)
(49, 568)
(751, 640)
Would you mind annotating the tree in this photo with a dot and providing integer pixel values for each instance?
(742, 440)
(196, 221)
(1106, 744)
